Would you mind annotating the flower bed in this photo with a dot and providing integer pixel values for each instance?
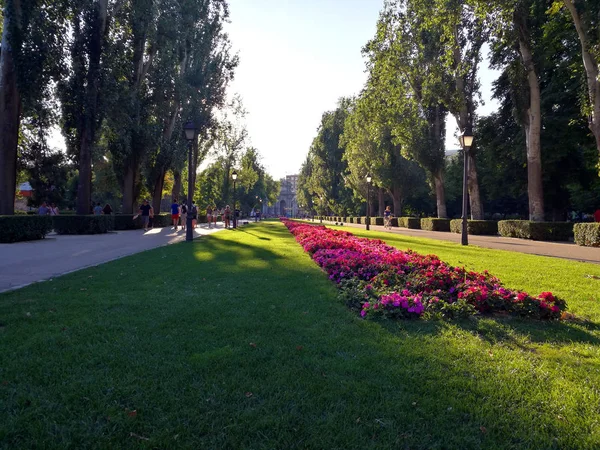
(377, 279)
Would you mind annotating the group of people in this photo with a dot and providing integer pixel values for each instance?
(98, 210)
(45, 210)
(179, 212)
(212, 213)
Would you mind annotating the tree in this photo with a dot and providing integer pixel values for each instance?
(585, 14)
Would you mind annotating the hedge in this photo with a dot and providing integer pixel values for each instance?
(377, 221)
(587, 234)
(539, 231)
(435, 224)
(24, 228)
(394, 222)
(479, 227)
(83, 224)
(358, 221)
(409, 222)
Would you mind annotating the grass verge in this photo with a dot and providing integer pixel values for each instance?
(237, 341)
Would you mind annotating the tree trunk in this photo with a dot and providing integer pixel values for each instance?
(381, 200)
(194, 164)
(592, 70)
(440, 194)
(176, 193)
(90, 113)
(474, 197)
(533, 124)
(159, 183)
(398, 201)
(129, 182)
(10, 115)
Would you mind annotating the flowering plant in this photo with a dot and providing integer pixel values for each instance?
(377, 279)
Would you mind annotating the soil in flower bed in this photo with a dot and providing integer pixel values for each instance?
(376, 279)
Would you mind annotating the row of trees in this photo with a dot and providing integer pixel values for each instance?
(120, 78)
(424, 64)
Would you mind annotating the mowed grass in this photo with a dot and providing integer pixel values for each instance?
(238, 341)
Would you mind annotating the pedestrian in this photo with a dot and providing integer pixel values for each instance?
(194, 213)
(387, 218)
(53, 209)
(107, 209)
(597, 215)
(97, 209)
(227, 216)
(43, 209)
(175, 214)
(209, 212)
(146, 212)
(184, 215)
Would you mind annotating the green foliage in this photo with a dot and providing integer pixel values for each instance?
(377, 221)
(24, 227)
(477, 227)
(409, 222)
(78, 224)
(539, 231)
(587, 234)
(433, 224)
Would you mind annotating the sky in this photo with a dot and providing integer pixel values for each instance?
(297, 58)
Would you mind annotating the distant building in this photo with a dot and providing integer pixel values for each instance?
(286, 204)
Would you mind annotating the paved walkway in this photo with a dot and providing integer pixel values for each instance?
(24, 263)
(566, 250)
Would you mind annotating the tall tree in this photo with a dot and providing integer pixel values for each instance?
(586, 18)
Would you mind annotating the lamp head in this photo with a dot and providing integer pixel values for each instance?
(369, 178)
(190, 130)
(234, 175)
(466, 139)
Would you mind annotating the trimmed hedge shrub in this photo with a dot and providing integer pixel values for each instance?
(539, 231)
(126, 222)
(435, 224)
(409, 222)
(587, 234)
(377, 221)
(83, 224)
(394, 221)
(24, 228)
(477, 227)
(357, 220)
(162, 220)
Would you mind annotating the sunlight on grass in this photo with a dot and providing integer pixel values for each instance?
(238, 341)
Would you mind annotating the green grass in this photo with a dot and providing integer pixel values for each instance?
(168, 333)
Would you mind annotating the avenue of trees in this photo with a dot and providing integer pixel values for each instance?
(536, 157)
(119, 78)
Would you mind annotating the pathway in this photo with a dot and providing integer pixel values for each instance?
(566, 250)
(24, 263)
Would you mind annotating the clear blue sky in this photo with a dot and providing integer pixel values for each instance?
(297, 58)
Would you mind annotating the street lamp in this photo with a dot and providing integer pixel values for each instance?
(190, 133)
(466, 141)
(234, 176)
(368, 199)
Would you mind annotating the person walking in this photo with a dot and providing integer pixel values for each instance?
(227, 216)
(184, 213)
(97, 209)
(209, 212)
(53, 209)
(146, 212)
(43, 209)
(175, 214)
(194, 213)
(107, 210)
(387, 218)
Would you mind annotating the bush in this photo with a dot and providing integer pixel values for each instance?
(377, 221)
(162, 220)
(126, 222)
(478, 227)
(539, 231)
(83, 224)
(409, 222)
(587, 234)
(24, 228)
(394, 221)
(435, 224)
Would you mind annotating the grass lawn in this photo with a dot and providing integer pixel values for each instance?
(237, 341)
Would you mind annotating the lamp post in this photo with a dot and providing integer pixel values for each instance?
(190, 133)
(234, 176)
(466, 140)
(368, 200)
